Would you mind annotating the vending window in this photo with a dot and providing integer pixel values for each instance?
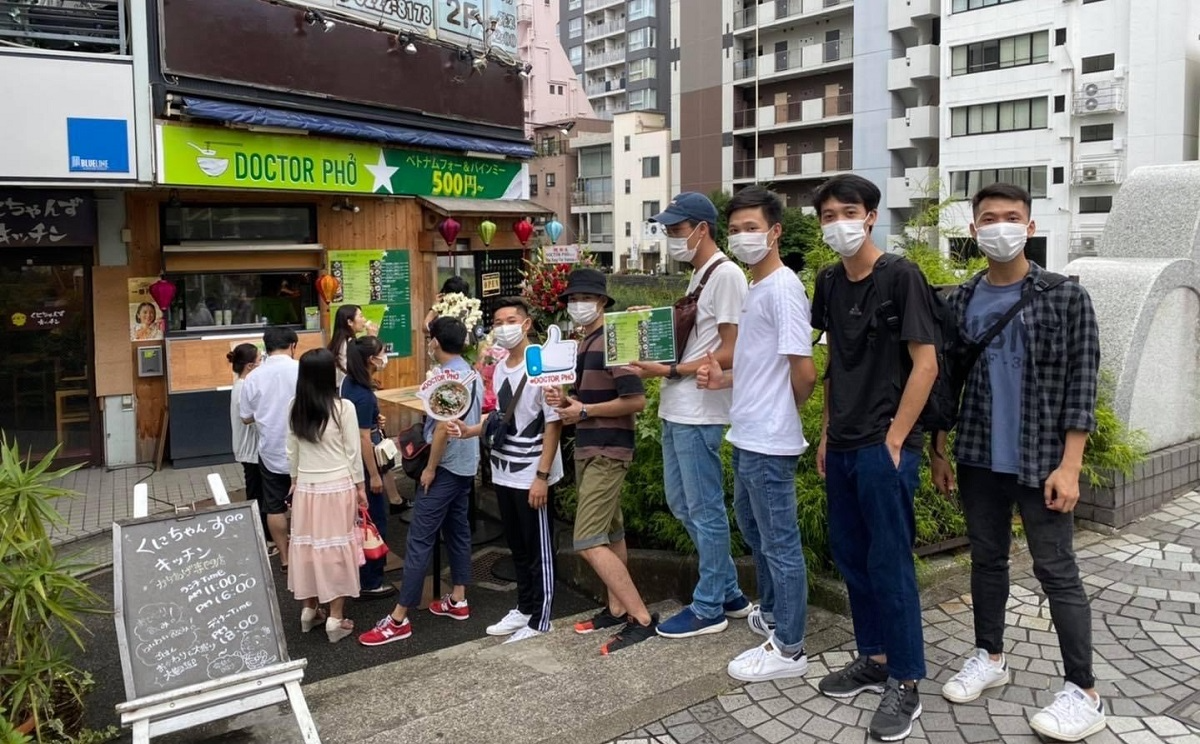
(237, 301)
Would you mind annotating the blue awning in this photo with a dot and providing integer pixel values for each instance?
(240, 113)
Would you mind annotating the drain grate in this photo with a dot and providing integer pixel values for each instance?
(481, 570)
(1186, 711)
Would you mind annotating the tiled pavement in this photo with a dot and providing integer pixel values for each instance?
(1145, 589)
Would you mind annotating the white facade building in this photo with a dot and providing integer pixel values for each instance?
(1064, 97)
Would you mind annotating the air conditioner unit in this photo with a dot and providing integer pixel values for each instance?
(1090, 174)
(1091, 104)
(1091, 89)
(1087, 244)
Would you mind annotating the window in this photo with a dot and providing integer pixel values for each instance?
(650, 167)
(245, 299)
(642, 38)
(642, 69)
(1099, 63)
(964, 5)
(964, 184)
(245, 223)
(550, 180)
(595, 162)
(1095, 204)
(1059, 174)
(551, 88)
(641, 9)
(628, 140)
(1006, 116)
(574, 4)
(560, 90)
(575, 28)
(649, 209)
(576, 55)
(1060, 104)
(628, 229)
(533, 189)
(1096, 133)
(640, 100)
(1060, 36)
(628, 186)
(997, 54)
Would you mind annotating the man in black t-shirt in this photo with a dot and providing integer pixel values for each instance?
(878, 316)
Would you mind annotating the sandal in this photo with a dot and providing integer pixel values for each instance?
(317, 618)
(343, 628)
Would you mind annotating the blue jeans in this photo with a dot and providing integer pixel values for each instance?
(764, 500)
(370, 574)
(871, 533)
(696, 495)
(443, 507)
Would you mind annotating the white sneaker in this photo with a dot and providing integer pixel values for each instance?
(524, 633)
(511, 623)
(765, 662)
(979, 673)
(1073, 716)
(758, 624)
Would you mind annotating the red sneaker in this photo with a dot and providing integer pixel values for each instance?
(447, 607)
(386, 631)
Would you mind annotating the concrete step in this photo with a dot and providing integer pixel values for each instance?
(557, 688)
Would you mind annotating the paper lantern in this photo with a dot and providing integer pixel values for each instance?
(449, 228)
(524, 230)
(163, 292)
(487, 231)
(554, 230)
(328, 285)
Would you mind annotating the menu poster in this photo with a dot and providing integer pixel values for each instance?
(639, 335)
(380, 282)
(145, 319)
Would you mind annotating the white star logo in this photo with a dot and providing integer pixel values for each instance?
(382, 173)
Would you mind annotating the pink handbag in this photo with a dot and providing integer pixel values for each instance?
(373, 545)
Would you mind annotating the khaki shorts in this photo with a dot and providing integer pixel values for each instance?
(598, 508)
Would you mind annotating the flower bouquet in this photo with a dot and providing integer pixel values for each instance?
(467, 310)
(545, 281)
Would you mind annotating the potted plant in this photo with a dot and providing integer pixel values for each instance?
(42, 598)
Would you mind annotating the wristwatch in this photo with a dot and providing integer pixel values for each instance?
(673, 373)
(583, 413)
(543, 475)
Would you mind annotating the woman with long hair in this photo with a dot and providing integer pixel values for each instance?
(324, 454)
(348, 322)
(364, 357)
(244, 359)
(146, 327)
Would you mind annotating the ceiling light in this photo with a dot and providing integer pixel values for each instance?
(313, 17)
(410, 48)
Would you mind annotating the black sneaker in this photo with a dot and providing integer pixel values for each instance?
(861, 675)
(898, 708)
(634, 632)
(601, 620)
(379, 592)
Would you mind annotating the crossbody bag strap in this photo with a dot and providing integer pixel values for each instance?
(704, 279)
(512, 404)
(1027, 297)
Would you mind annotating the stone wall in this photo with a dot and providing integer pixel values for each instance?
(1164, 475)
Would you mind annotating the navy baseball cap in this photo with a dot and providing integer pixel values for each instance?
(688, 206)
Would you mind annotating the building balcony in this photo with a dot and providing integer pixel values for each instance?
(1097, 173)
(917, 184)
(796, 115)
(794, 167)
(96, 27)
(920, 123)
(794, 62)
(605, 59)
(1099, 97)
(615, 106)
(592, 199)
(762, 16)
(606, 88)
(918, 63)
(903, 13)
(592, 5)
(601, 30)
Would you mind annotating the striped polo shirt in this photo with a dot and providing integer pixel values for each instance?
(610, 437)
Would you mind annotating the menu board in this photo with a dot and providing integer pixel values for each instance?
(195, 599)
(380, 282)
(199, 363)
(645, 335)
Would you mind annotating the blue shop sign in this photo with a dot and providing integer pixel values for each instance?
(98, 145)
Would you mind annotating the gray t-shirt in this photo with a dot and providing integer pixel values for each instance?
(461, 456)
(1005, 360)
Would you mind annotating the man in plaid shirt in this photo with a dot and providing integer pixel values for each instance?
(1027, 410)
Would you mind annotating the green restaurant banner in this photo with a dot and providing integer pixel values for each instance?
(380, 282)
(205, 156)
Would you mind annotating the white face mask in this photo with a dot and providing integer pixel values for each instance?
(1003, 241)
(583, 313)
(381, 361)
(845, 236)
(508, 336)
(749, 247)
(677, 248)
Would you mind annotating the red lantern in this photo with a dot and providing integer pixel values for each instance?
(449, 228)
(163, 292)
(328, 285)
(524, 230)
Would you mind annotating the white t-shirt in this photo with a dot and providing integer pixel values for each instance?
(680, 401)
(245, 436)
(266, 397)
(775, 323)
(516, 463)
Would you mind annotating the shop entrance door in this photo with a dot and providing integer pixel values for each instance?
(46, 390)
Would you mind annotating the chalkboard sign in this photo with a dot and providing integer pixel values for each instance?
(195, 599)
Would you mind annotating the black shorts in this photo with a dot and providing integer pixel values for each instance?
(275, 489)
(253, 477)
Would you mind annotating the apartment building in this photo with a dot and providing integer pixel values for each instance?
(618, 48)
(624, 180)
(554, 169)
(553, 92)
(1064, 97)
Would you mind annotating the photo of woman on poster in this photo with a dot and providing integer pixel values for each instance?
(144, 324)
